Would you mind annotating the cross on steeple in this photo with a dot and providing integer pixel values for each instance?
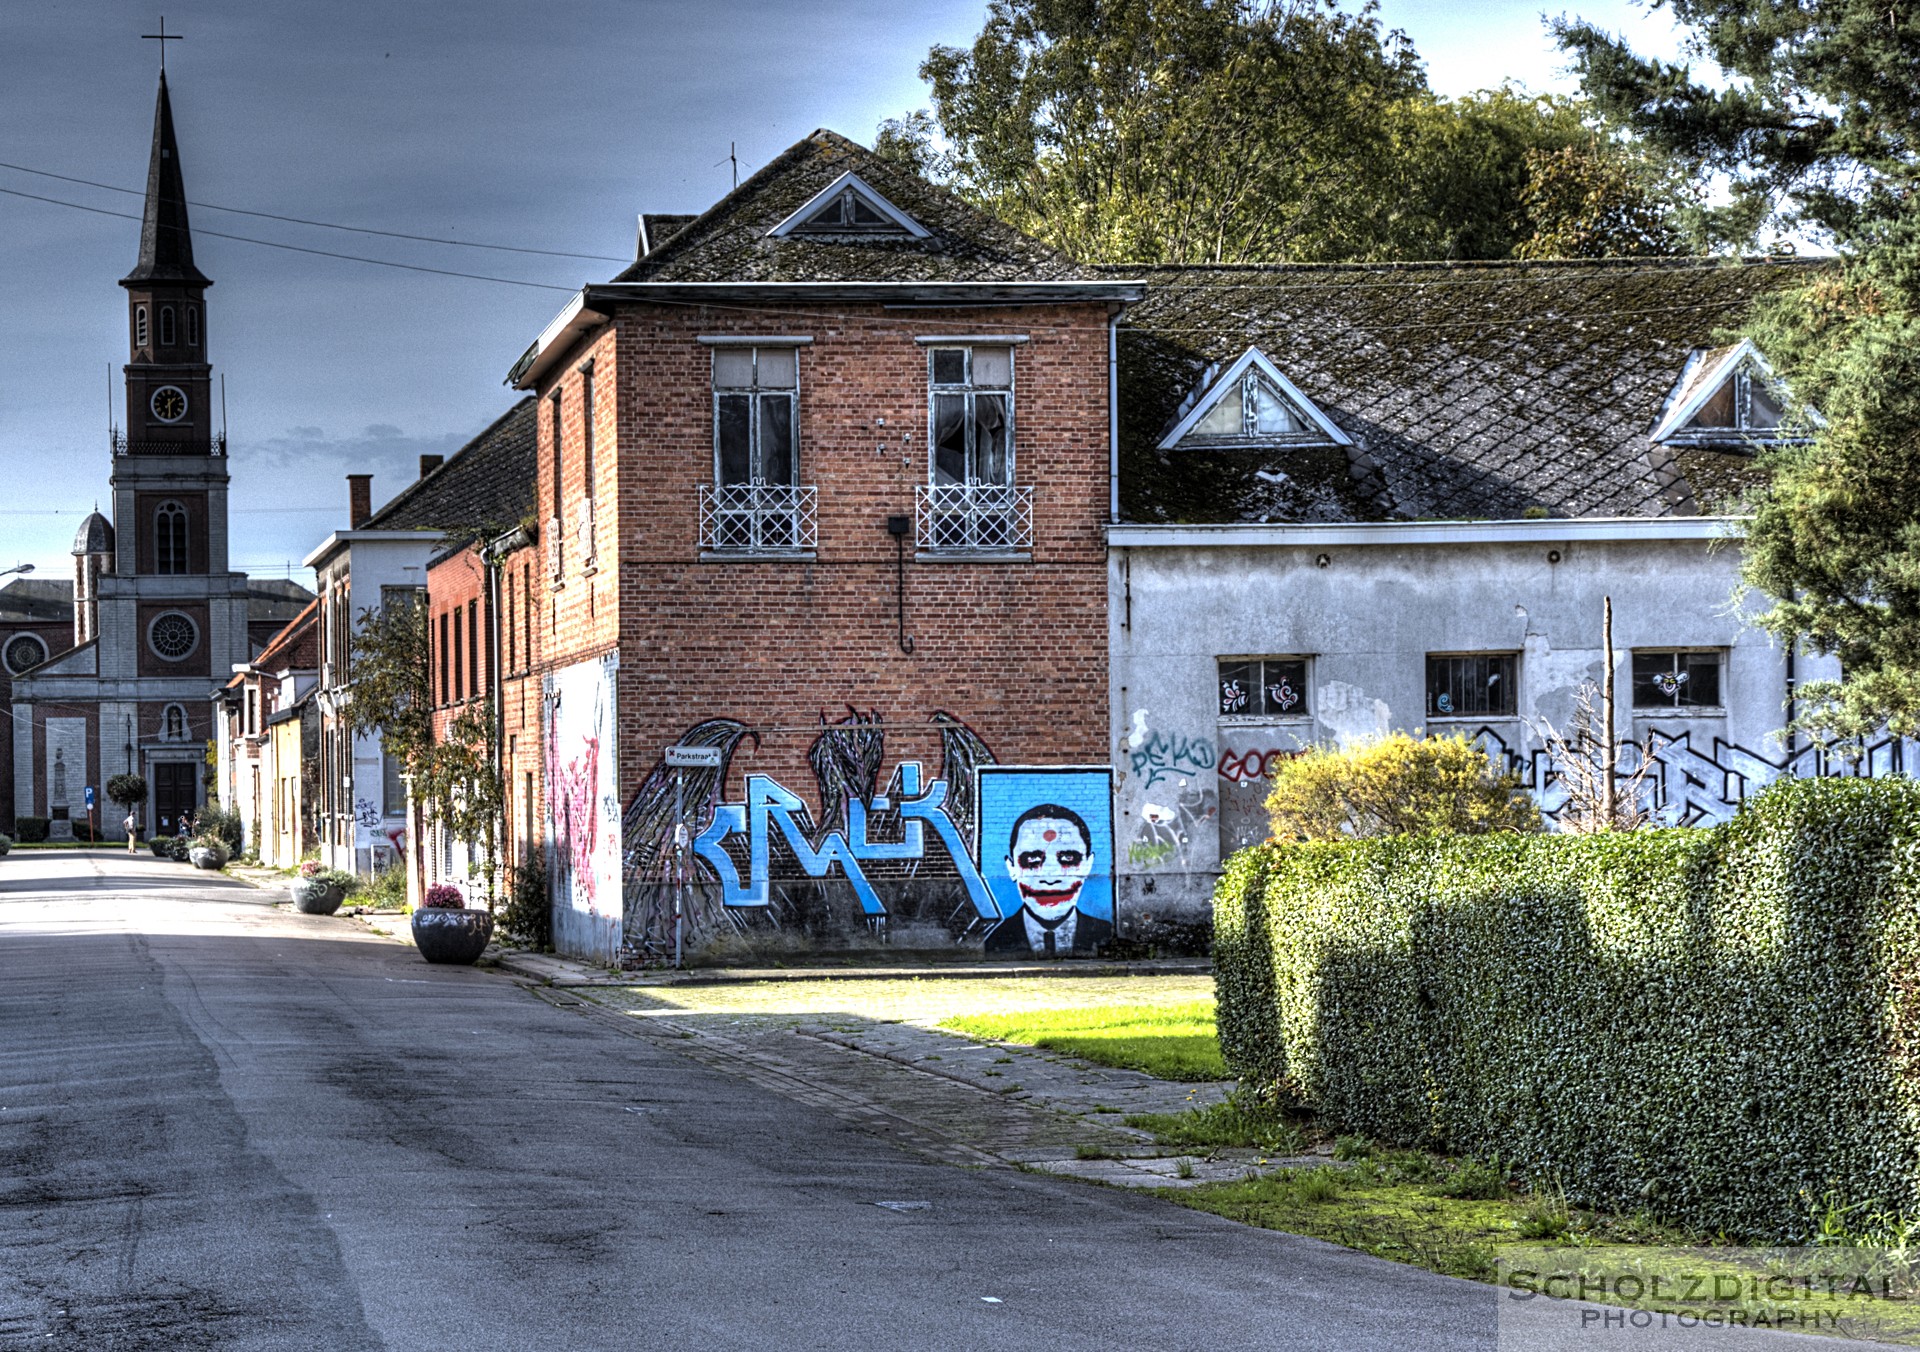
(163, 37)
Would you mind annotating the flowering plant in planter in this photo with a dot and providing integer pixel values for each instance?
(445, 896)
(311, 868)
(445, 930)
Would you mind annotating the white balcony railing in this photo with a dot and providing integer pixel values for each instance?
(758, 518)
(974, 518)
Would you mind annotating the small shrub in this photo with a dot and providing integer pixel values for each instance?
(1545, 1216)
(221, 825)
(31, 830)
(1352, 1148)
(388, 890)
(129, 791)
(1316, 1185)
(1397, 786)
(1474, 1181)
(177, 847)
(444, 897)
(527, 918)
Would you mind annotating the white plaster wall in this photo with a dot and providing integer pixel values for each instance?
(1367, 617)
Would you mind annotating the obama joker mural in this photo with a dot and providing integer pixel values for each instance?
(1046, 854)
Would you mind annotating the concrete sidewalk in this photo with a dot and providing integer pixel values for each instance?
(559, 971)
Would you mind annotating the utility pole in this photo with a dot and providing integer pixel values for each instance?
(1608, 748)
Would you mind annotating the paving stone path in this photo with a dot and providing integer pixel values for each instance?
(869, 1052)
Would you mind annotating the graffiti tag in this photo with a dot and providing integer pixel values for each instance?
(1247, 767)
(770, 810)
(1170, 756)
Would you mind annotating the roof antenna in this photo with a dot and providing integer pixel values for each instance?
(734, 159)
(163, 37)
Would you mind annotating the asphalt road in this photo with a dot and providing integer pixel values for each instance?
(227, 1126)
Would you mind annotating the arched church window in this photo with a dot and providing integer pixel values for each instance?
(173, 723)
(166, 326)
(170, 537)
(193, 326)
(139, 326)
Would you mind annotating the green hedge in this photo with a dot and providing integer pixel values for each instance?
(1715, 1024)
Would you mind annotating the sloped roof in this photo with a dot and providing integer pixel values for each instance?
(166, 243)
(296, 647)
(95, 535)
(275, 598)
(729, 242)
(1470, 390)
(488, 484)
(36, 599)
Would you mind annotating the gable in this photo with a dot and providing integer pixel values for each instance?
(1728, 396)
(1252, 405)
(850, 206)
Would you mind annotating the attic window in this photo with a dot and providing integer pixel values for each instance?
(1252, 406)
(849, 206)
(1729, 396)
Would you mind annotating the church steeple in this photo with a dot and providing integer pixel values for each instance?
(166, 243)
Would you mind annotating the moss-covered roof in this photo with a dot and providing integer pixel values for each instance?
(730, 243)
(488, 484)
(1471, 391)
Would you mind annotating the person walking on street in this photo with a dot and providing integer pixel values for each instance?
(132, 844)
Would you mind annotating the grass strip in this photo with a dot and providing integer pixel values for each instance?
(1169, 1042)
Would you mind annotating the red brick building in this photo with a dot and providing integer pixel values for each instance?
(823, 480)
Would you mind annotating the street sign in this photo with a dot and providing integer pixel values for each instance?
(694, 757)
(89, 797)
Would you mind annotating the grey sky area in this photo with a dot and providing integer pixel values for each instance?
(483, 122)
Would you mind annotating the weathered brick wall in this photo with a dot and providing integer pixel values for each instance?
(1016, 650)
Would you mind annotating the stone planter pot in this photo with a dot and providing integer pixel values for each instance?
(205, 858)
(317, 898)
(446, 935)
(161, 847)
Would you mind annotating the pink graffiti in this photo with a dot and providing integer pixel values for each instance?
(575, 794)
(1245, 767)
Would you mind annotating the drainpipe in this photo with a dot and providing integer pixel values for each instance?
(1113, 417)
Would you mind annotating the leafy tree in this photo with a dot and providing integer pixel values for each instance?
(1587, 202)
(1397, 786)
(1818, 130)
(1227, 131)
(129, 791)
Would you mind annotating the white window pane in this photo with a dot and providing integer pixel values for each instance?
(992, 367)
(776, 368)
(1223, 420)
(732, 368)
(1274, 415)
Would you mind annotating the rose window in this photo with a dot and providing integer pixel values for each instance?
(173, 636)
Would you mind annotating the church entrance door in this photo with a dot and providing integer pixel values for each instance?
(173, 795)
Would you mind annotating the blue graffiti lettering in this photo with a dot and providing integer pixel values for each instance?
(769, 808)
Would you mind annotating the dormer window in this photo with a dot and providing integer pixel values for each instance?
(1729, 396)
(1251, 406)
(849, 206)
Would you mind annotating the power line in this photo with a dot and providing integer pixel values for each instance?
(324, 225)
(296, 248)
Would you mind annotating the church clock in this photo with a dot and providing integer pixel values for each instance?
(169, 403)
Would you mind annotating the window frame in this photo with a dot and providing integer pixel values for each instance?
(969, 390)
(193, 325)
(1304, 714)
(756, 395)
(1717, 709)
(1512, 709)
(170, 540)
(191, 624)
(6, 653)
(169, 328)
(140, 326)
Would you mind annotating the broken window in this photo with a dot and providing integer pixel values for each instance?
(1677, 679)
(1264, 687)
(1471, 685)
(972, 415)
(755, 410)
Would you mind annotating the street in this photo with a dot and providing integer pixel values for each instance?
(225, 1125)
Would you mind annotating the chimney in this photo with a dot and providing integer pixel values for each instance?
(430, 463)
(359, 500)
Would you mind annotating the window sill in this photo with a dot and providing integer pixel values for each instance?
(973, 556)
(758, 556)
(1715, 711)
(1456, 720)
(1265, 720)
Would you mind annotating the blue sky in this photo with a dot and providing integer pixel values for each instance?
(482, 121)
